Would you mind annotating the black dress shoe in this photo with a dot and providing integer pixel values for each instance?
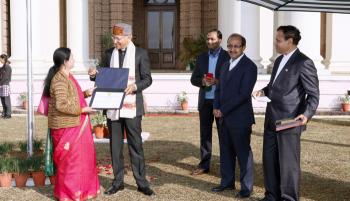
(222, 188)
(114, 189)
(147, 191)
(264, 199)
(7, 117)
(241, 194)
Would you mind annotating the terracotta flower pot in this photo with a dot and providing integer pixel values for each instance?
(345, 107)
(184, 105)
(39, 178)
(52, 179)
(21, 179)
(5, 179)
(25, 105)
(98, 130)
(105, 132)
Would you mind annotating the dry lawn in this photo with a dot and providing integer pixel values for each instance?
(172, 152)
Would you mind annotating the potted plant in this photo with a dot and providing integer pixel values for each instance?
(191, 48)
(23, 99)
(345, 102)
(98, 122)
(36, 166)
(183, 100)
(37, 146)
(5, 171)
(20, 170)
(5, 148)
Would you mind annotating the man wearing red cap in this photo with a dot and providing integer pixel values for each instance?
(124, 54)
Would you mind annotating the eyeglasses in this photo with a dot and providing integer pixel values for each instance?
(234, 46)
(118, 38)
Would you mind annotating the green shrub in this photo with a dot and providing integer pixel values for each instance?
(191, 49)
(6, 147)
(20, 165)
(6, 164)
(37, 145)
(98, 119)
(36, 163)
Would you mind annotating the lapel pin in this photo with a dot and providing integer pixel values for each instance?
(287, 70)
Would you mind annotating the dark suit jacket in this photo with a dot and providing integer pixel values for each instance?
(233, 94)
(201, 68)
(5, 75)
(294, 92)
(143, 77)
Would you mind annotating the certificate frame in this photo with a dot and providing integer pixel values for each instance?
(117, 94)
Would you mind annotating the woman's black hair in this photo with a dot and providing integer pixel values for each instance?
(60, 55)
(5, 58)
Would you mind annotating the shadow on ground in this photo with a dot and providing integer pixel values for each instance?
(312, 186)
(164, 156)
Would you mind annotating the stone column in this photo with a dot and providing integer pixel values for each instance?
(266, 37)
(251, 31)
(78, 33)
(231, 20)
(337, 44)
(18, 37)
(45, 34)
(309, 25)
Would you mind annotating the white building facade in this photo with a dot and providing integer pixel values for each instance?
(325, 39)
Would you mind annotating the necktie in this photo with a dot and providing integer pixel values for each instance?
(121, 57)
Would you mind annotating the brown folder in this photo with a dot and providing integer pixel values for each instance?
(284, 124)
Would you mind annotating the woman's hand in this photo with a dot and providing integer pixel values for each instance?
(88, 92)
(87, 110)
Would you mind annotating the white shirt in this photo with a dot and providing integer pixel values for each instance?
(283, 63)
(234, 62)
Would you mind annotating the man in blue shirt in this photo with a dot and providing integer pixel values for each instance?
(205, 76)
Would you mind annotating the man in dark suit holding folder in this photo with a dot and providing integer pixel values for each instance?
(124, 54)
(294, 93)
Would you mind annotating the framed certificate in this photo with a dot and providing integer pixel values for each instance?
(103, 98)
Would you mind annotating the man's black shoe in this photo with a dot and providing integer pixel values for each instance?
(264, 199)
(114, 189)
(146, 191)
(241, 194)
(7, 117)
(222, 188)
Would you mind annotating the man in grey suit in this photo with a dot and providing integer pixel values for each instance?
(294, 93)
(124, 54)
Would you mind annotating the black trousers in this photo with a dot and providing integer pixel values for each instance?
(133, 133)
(236, 143)
(281, 164)
(6, 105)
(206, 119)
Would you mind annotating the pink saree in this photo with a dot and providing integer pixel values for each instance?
(75, 159)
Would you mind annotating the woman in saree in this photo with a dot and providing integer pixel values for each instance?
(68, 118)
